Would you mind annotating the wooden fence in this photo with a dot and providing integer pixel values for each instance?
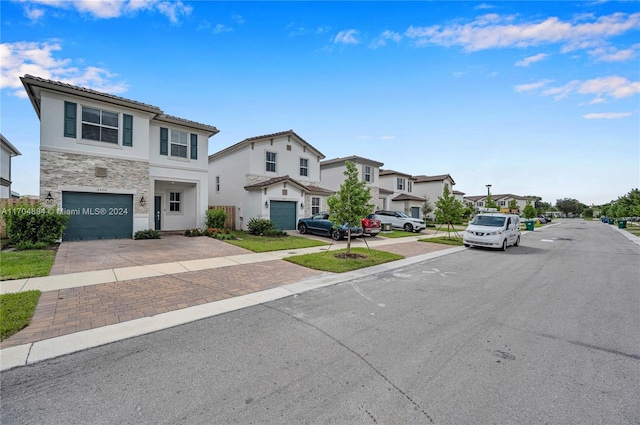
(8, 203)
(230, 210)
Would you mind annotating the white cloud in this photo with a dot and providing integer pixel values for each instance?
(532, 86)
(532, 59)
(483, 6)
(612, 54)
(495, 31)
(220, 28)
(20, 58)
(106, 9)
(613, 86)
(607, 115)
(384, 37)
(33, 14)
(347, 37)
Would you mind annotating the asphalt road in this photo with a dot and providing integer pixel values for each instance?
(542, 333)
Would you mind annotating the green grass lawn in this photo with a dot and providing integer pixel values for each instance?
(267, 243)
(443, 240)
(16, 311)
(328, 262)
(397, 234)
(24, 264)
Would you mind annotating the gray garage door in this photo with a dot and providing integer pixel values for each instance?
(283, 214)
(98, 216)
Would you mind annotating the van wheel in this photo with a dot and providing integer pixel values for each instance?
(504, 245)
(517, 242)
(408, 228)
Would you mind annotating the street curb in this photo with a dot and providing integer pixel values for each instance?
(47, 349)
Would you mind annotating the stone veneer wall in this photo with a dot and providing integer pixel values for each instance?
(67, 169)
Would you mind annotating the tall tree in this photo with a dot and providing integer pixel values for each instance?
(513, 204)
(569, 206)
(351, 203)
(427, 208)
(448, 209)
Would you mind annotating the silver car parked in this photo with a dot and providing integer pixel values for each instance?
(400, 220)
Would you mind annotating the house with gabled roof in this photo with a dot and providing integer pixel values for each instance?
(117, 165)
(7, 151)
(431, 187)
(403, 197)
(274, 176)
(332, 175)
(503, 200)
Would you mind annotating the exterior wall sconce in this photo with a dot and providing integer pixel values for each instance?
(266, 204)
(142, 200)
(49, 198)
(301, 206)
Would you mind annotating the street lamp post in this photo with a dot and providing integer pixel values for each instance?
(488, 189)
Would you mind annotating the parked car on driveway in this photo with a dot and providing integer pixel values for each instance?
(371, 225)
(319, 224)
(400, 220)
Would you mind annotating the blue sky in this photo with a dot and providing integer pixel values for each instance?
(534, 98)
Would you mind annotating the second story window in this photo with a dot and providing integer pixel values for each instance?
(99, 125)
(409, 186)
(178, 143)
(217, 183)
(271, 161)
(304, 167)
(367, 174)
(315, 205)
(400, 183)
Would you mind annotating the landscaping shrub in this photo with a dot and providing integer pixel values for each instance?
(28, 245)
(216, 218)
(146, 234)
(260, 226)
(195, 232)
(35, 225)
(222, 234)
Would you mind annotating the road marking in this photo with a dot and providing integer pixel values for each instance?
(546, 240)
(443, 274)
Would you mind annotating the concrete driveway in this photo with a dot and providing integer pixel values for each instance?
(84, 256)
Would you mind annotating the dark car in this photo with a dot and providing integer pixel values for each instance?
(371, 225)
(542, 219)
(319, 224)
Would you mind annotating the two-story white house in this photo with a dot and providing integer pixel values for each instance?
(332, 175)
(503, 200)
(431, 187)
(7, 151)
(117, 165)
(274, 176)
(403, 197)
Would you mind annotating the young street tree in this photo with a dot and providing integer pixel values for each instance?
(529, 210)
(426, 208)
(448, 209)
(351, 203)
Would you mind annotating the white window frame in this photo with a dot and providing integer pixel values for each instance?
(217, 184)
(100, 125)
(271, 162)
(368, 175)
(178, 143)
(304, 169)
(409, 186)
(503, 203)
(178, 202)
(480, 203)
(400, 183)
(315, 205)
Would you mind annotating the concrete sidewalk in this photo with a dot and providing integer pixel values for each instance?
(82, 310)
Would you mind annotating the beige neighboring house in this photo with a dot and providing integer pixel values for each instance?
(332, 175)
(432, 187)
(118, 165)
(7, 151)
(402, 195)
(274, 176)
(478, 202)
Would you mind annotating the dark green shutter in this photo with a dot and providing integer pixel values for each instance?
(194, 146)
(70, 113)
(164, 141)
(127, 130)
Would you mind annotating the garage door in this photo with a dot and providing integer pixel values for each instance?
(98, 216)
(283, 214)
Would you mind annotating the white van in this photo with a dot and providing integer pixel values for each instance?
(493, 230)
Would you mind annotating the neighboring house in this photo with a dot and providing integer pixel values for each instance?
(459, 195)
(403, 197)
(117, 165)
(7, 150)
(478, 202)
(432, 187)
(274, 176)
(332, 175)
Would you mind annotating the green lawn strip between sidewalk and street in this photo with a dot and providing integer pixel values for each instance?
(16, 311)
(269, 243)
(24, 264)
(327, 261)
(398, 234)
(443, 240)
